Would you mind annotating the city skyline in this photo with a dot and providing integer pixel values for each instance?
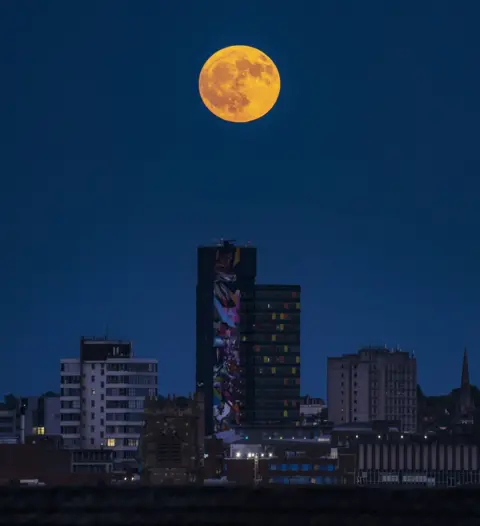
(361, 186)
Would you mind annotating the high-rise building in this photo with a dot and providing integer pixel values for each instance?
(225, 285)
(273, 380)
(374, 384)
(248, 342)
(102, 397)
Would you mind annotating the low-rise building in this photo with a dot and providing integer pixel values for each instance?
(172, 440)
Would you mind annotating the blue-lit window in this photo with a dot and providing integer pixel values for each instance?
(306, 467)
(319, 480)
(328, 480)
(300, 480)
(273, 467)
(293, 467)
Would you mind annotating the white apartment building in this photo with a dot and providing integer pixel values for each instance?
(374, 384)
(102, 397)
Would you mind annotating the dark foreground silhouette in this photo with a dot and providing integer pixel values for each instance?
(293, 506)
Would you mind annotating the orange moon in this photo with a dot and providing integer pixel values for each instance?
(239, 84)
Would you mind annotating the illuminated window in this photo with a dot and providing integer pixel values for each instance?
(297, 359)
(281, 359)
(282, 316)
(274, 337)
(274, 370)
(285, 305)
(294, 294)
(298, 306)
(285, 348)
(281, 326)
(38, 430)
(285, 413)
(244, 338)
(266, 359)
(285, 403)
(294, 370)
(274, 316)
(110, 442)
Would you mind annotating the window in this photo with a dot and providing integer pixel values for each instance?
(92, 416)
(110, 442)
(274, 316)
(102, 434)
(38, 430)
(92, 403)
(93, 379)
(297, 359)
(92, 441)
(285, 348)
(294, 370)
(266, 359)
(93, 391)
(92, 429)
(274, 337)
(285, 413)
(298, 306)
(274, 370)
(102, 384)
(282, 316)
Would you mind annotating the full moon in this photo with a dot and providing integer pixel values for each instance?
(239, 84)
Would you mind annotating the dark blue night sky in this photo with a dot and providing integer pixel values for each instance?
(362, 184)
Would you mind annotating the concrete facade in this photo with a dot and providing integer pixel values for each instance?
(374, 384)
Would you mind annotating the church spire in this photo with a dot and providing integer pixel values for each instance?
(465, 375)
(466, 401)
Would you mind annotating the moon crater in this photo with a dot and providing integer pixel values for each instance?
(239, 84)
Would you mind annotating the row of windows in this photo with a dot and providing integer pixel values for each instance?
(69, 391)
(275, 403)
(277, 294)
(272, 381)
(130, 430)
(70, 379)
(132, 379)
(131, 391)
(276, 348)
(131, 442)
(125, 404)
(130, 367)
(133, 367)
(304, 480)
(276, 306)
(273, 327)
(282, 359)
(260, 337)
(267, 316)
(302, 467)
(281, 371)
(127, 417)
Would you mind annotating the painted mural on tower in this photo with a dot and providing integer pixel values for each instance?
(226, 373)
